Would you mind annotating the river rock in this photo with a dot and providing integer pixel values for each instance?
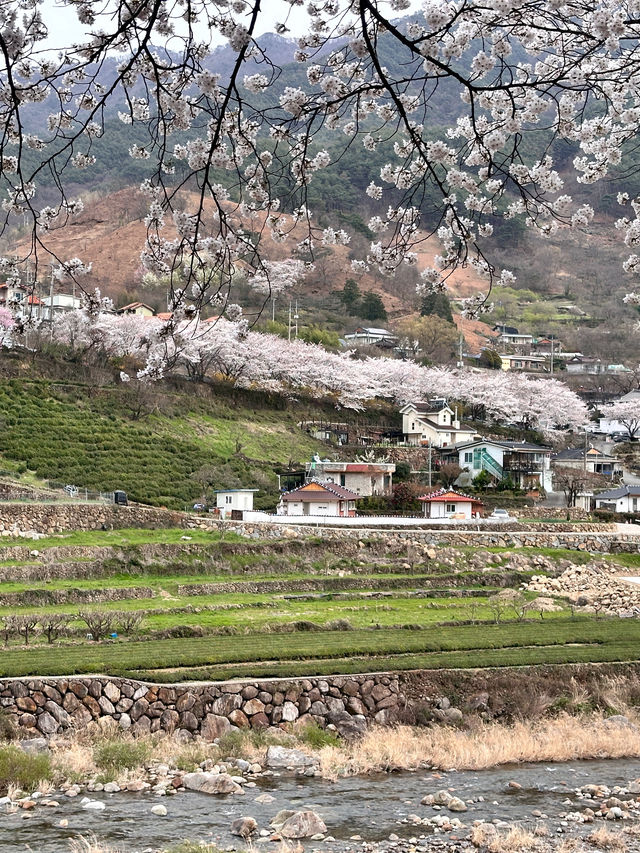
(159, 810)
(265, 798)
(455, 804)
(442, 797)
(244, 827)
(93, 805)
(211, 783)
(303, 825)
(283, 757)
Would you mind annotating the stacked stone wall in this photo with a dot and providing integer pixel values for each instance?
(47, 706)
(50, 706)
(46, 519)
(592, 537)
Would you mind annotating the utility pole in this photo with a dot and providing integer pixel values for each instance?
(295, 317)
(51, 305)
(460, 343)
(429, 463)
(552, 356)
(289, 333)
(584, 463)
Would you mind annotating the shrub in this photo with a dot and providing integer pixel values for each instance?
(19, 768)
(118, 755)
(315, 737)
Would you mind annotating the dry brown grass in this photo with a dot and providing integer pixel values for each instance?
(73, 758)
(605, 839)
(89, 844)
(565, 738)
(516, 839)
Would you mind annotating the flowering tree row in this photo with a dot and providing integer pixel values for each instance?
(250, 359)
(247, 147)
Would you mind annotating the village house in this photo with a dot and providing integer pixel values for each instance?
(371, 336)
(234, 502)
(579, 363)
(527, 465)
(57, 304)
(433, 423)
(529, 363)
(547, 347)
(363, 478)
(316, 498)
(140, 309)
(622, 499)
(448, 503)
(509, 336)
(12, 296)
(592, 460)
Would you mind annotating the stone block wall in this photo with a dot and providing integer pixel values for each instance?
(580, 536)
(47, 706)
(24, 519)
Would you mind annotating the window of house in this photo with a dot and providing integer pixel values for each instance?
(228, 499)
(468, 456)
(413, 426)
(450, 508)
(343, 480)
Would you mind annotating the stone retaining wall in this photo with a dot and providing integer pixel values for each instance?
(46, 706)
(26, 519)
(592, 537)
(573, 513)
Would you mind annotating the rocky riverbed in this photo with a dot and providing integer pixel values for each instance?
(575, 806)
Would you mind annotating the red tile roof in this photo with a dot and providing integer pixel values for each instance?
(448, 495)
(317, 491)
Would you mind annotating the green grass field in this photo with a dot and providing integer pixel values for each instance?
(512, 643)
(91, 440)
(220, 609)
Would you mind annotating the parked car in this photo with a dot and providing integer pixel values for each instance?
(199, 506)
(500, 515)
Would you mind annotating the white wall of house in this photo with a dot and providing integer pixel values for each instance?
(365, 483)
(497, 453)
(627, 503)
(234, 500)
(418, 431)
(442, 509)
(311, 508)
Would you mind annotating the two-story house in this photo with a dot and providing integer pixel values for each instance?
(362, 478)
(591, 460)
(433, 423)
(527, 465)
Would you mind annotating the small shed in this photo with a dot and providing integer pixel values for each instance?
(447, 503)
(231, 501)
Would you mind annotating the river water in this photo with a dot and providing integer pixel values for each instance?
(371, 807)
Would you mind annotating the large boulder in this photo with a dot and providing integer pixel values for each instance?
(211, 783)
(283, 758)
(303, 825)
(244, 827)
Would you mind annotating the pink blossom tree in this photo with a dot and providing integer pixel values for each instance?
(250, 145)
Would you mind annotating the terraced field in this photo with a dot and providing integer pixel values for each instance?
(206, 608)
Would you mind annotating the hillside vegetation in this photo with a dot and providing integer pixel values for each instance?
(179, 446)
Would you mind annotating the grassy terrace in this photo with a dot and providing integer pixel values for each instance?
(226, 607)
(509, 644)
